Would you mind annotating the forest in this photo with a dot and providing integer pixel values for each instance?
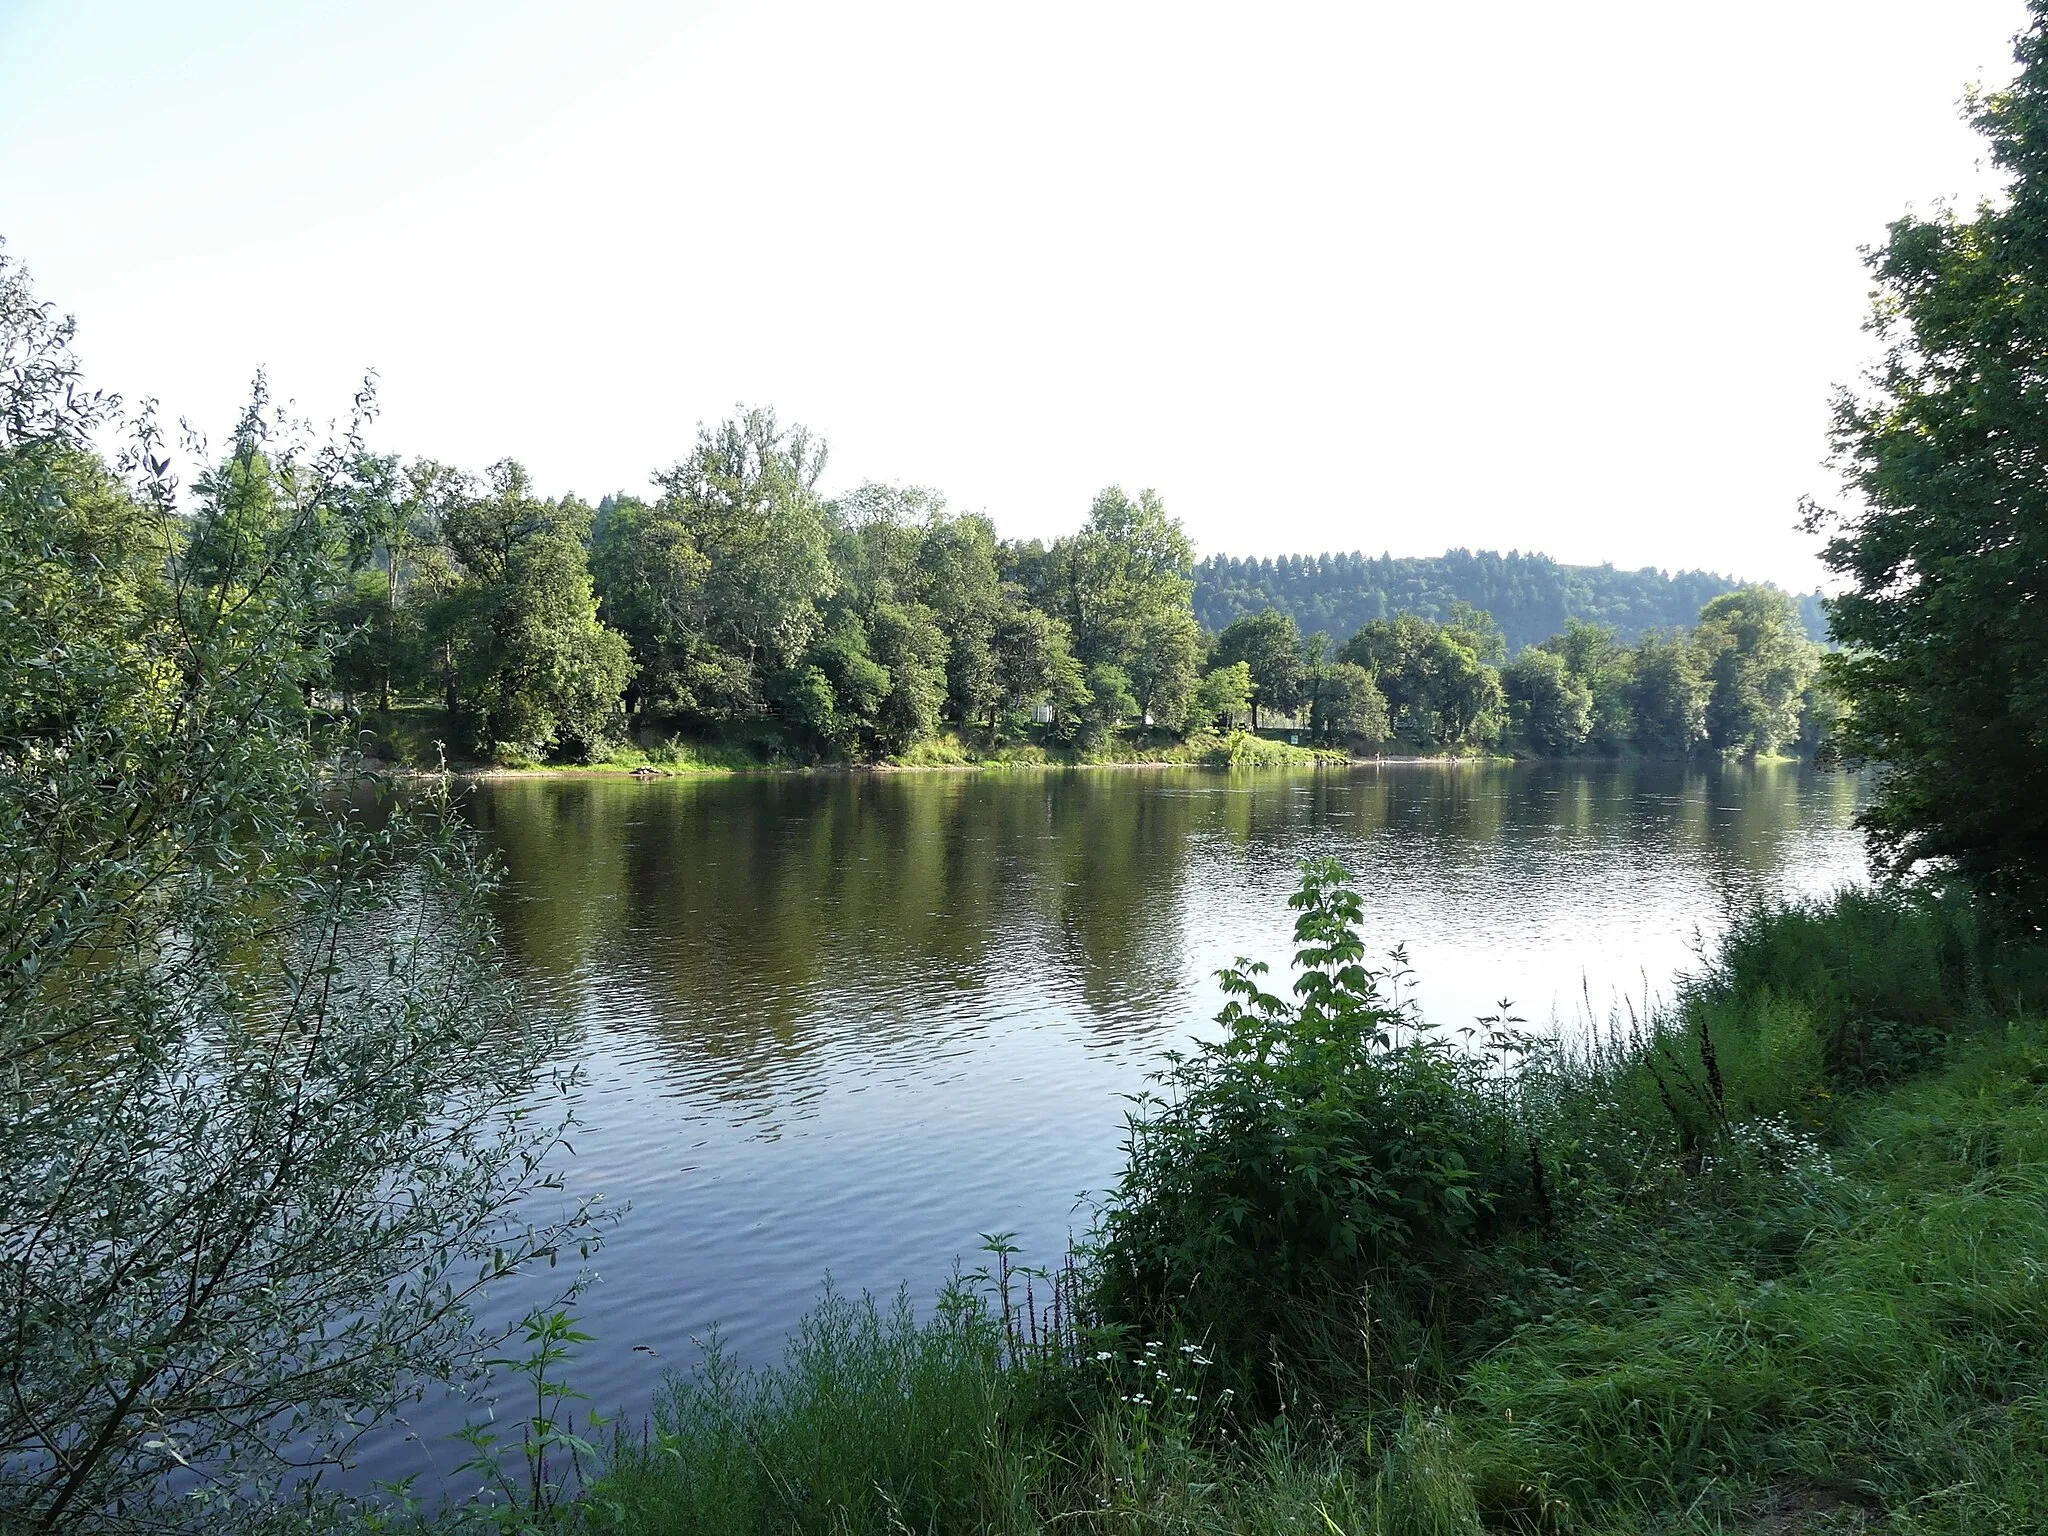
(736, 604)
(1530, 596)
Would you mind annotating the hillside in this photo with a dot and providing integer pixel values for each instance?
(1530, 595)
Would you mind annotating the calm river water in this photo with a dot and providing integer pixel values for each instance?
(845, 1024)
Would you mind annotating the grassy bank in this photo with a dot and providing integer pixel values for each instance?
(413, 738)
(1775, 1262)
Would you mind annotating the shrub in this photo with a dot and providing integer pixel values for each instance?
(947, 751)
(268, 1106)
(1241, 749)
(1326, 1161)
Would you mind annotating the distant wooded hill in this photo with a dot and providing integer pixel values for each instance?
(1529, 595)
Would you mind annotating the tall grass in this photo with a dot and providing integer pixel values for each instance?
(1896, 1362)
(872, 1421)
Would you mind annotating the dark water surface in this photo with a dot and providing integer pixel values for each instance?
(846, 1024)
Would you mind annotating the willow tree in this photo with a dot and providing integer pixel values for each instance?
(1944, 622)
(263, 1091)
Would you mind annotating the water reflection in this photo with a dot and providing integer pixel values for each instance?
(750, 933)
(847, 1023)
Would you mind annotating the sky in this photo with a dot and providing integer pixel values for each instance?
(1577, 277)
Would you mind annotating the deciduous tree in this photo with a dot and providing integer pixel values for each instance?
(1269, 645)
(1944, 622)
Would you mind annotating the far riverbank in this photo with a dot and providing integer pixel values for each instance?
(413, 742)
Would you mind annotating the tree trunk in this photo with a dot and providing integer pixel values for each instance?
(390, 630)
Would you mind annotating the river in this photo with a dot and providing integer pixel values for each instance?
(844, 1024)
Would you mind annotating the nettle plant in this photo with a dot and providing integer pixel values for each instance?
(1319, 1175)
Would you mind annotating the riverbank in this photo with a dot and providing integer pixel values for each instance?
(1771, 1263)
(414, 741)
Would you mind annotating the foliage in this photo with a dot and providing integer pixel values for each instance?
(1438, 679)
(1223, 697)
(1124, 588)
(1891, 1370)
(554, 1459)
(533, 667)
(878, 1422)
(1531, 595)
(1111, 700)
(1270, 647)
(1943, 621)
(735, 603)
(1036, 662)
(873, 1421)
(1594, 658)
(1757, 666)
(962, 584)
(1667, 696)
(739, 603)
(1241, 750)
(1326, 1156)
(718, 583)
(1883, 983)
(1345, 702)
(398, 566)
(265, 1101)
(1549, 706)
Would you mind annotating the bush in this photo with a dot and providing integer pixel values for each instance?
(269, 1113)
(1241, 749)
(1322, 1173)
(946, 751)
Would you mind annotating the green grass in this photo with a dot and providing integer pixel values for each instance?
(1894, 1363)
(875, 1421)
(676, 756)
(418, 735)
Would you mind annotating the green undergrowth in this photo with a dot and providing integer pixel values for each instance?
(1775, 1260)
(1884, 1358)
(1241, 749)
(419, 737)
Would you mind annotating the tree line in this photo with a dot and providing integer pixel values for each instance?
(737, 600)
(1744, 679)
(737, 595)
(1531, 596)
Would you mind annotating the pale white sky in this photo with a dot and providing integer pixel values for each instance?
(1574, 277)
